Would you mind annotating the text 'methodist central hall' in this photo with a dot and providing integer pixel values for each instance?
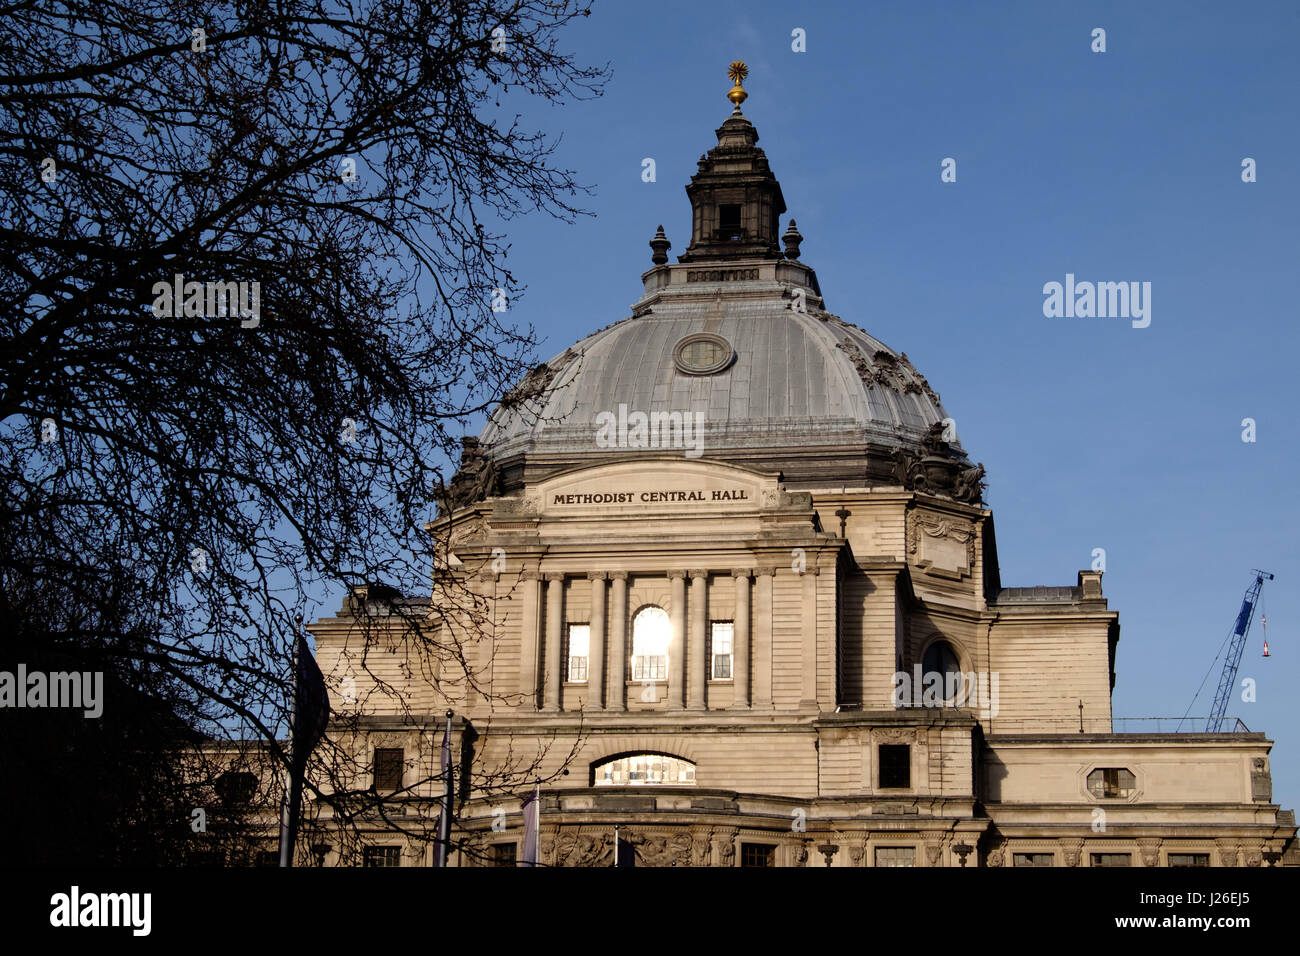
(735, 574)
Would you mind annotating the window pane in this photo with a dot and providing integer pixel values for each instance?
(638, 769)
(895, 856)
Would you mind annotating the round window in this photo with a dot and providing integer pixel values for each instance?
(702, 354)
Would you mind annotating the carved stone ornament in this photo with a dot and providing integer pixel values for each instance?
(476, 479)
(583, 849)
(663, 851)
(1150, 850)
(887, 370)
(1072, 850)
(938, 471)
(948, 534)
(896, 733)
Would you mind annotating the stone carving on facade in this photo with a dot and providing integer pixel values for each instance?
(934, 854)
(536, 382)
(1150, 851)
(801, 852)
(857, 852)
(700, 851)
(476, 479)
(887, 370)
(724, 847)
(950, 529)
(1072, 851)
(1228, 853)
(1261, 782)
(666, 851)
(896, 733)
(937, 470)
(582, 849)
(1255, 856)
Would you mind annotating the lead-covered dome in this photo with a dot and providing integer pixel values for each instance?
(730, 354)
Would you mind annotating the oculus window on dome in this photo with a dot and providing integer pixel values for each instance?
(637, 770)
(703, 354)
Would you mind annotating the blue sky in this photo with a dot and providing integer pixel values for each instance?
(1115, 166)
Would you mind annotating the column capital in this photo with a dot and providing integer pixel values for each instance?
(552, 576)
(765, 572)
(698, 573)
(618, 575)
(529, 574)
(676, 574)
(741, 572)
(596, 575)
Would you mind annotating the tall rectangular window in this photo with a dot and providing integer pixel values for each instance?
(895, 766)
(729, 221)
(721, 655)
(1111, 859)
(388, 768)
(579, 652)
(1189, 859)
(1031, 859)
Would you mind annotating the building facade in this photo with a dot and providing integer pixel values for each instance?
(729, 566)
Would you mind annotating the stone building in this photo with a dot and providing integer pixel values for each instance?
(738, 579)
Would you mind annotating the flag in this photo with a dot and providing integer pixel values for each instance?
(441, 848)
(311, 712)
(532, 824)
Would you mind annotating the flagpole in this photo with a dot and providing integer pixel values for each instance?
(293, 793)
(444, 818)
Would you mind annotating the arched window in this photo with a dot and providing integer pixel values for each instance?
(941, 658)
(638, 770)
(651, 631)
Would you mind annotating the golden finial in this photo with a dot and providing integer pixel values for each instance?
(737, 72)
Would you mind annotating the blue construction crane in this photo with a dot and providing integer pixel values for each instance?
(1237, 644)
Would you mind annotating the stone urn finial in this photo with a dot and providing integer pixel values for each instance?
(660, 246)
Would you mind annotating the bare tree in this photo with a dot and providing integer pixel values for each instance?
(254, 286)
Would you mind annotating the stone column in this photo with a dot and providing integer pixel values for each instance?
(762, 650)
(486, 668)
(554, 639)
(697, 671)
(530, 600)
(740, 641)
(808, 696)
(596, 662)
(677, 644)
(616, 686)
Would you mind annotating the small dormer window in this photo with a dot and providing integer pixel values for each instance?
(729, 221)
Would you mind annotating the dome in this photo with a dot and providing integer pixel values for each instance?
(731, 355)
(787, 379)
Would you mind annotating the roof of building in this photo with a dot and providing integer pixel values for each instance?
(734, 339)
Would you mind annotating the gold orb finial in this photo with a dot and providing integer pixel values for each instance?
(736, 73)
